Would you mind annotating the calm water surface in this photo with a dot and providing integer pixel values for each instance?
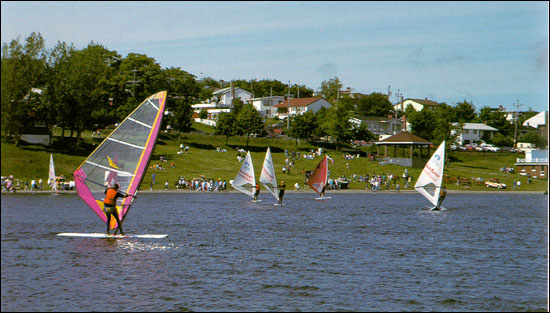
(354, 252)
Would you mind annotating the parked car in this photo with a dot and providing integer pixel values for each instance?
(489, 147)
(495, 183)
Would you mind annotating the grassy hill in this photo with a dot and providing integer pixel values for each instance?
(31, 161)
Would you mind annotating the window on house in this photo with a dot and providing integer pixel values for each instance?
(475, 132)
(466, 131)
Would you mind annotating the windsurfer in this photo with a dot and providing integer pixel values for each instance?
(282, 187)
(322, 194)
(442, 194)
(257, 191)
(111, 195)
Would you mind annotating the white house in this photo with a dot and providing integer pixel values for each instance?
(540, 119)
(473, 132)
(417, 104)
(380, 125)
(266, 105)
(300, 106)
(219, 103)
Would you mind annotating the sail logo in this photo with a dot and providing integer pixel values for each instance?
(111, 163)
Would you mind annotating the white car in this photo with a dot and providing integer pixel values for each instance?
(495, 183)
(488, 147)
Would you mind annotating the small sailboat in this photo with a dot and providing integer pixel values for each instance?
(319, 178)
(51, 176)
(267, 178)
(121, 158)
(245, 181)
(430, 180)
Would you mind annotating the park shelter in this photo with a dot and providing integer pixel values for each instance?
(400, 148)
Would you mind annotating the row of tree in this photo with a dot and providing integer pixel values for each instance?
(94, 87)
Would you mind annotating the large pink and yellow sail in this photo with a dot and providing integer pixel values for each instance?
(122, 157)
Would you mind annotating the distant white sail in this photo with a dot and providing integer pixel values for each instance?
(429, 182)
(245, 177)
(267, 178)
(51, 175)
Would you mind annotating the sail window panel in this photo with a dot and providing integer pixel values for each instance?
(147, 112)
(131, 133)
(113, 158)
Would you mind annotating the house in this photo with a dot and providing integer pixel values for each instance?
(299, 106)
(540, 122)
(535, 164)
(417, 104)
(473, 132)
(266, 105)
(380, 125)
(221, 102)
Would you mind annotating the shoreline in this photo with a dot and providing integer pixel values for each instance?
(345, 191)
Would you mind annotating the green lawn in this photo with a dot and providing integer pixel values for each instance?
(31, 161)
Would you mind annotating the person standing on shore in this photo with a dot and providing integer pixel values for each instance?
(282, 187)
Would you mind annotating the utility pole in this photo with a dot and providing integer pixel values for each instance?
(288, 108)
(517, 105)
(133, 82)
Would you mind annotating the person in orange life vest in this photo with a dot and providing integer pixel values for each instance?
(257, 191)
(109, 206)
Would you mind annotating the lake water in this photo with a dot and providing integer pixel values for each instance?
(354, 252)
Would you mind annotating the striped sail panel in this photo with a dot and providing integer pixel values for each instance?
(122, 157)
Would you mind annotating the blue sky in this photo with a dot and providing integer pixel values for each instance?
(489, 53)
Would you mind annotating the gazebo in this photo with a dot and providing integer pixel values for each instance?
(404, 141)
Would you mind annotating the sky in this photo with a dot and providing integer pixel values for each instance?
(487, 53)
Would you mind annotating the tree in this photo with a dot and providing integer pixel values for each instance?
(89, 72)
(23, 68)
(361, 132)
(329, 89)
(533, 137)
(422, 123)
(464, 112)
(303, 126)
(375, 104)
(249, 121)
(225, 125)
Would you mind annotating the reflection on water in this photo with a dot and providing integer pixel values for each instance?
(357, 252)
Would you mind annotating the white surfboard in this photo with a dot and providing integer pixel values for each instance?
(278, 204)
(322, 198)
(102, 235)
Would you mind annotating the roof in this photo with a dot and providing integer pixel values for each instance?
(297, 102)
(404, 139)
(424, 101)
(540, 119)
(477, 126)
(228, 89)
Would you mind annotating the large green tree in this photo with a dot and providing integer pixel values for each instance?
(23, 68)
(329, 89)
(249, 121)
(303, 126)
(375, 104)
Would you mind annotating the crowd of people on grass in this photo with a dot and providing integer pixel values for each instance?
(11, 184)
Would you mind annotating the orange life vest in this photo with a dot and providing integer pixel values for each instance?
(110, 196)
